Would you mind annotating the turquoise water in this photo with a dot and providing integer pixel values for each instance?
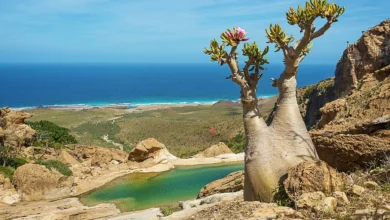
(145, 190)
(132, 84)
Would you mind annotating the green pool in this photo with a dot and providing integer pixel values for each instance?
(145, 190)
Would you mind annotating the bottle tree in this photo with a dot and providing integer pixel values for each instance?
(284, 142)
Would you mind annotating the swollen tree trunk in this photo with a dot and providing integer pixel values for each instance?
(272, 149)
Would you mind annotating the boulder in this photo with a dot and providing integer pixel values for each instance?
(357, 190)
(370, 185)
(66, 158)
(215, 150)
(11, 199)
(328, 204)
(36, 182)
(231, 183)
(310, 200)
(313, 176)
(13, 131)
(152, 150)
(7, 184)
(342, 199)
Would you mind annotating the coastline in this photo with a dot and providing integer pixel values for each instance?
(133, 107)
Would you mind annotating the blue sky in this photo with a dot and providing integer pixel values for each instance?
(159, 31)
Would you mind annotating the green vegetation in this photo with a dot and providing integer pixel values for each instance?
(7, 172)
(309, 91)
(237, 144)
(325, 85)
(166, 211)
(13, 162)
(55, 164)
(54, 133)
(185, 131)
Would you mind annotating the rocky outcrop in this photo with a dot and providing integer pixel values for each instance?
(369, 54)
(214, 150)
(354, 130)
(313, 176)
(231, 183)
(150, 151)
(239, 209)
(69, 208)
(312, 98)
(36, 182)
(13, 131)
(98, 156)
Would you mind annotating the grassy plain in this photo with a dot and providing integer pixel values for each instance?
(185, 131)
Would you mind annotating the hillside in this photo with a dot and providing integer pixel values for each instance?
(351, 112)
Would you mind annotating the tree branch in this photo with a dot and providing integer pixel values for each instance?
(321, 31)
(284, 47)
(234, 69)
(305, 39)
(246, 71)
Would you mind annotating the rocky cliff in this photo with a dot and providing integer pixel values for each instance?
(354, 129)
(13, 131)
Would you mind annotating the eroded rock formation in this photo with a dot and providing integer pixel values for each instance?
(35, 182)
(13, 131)
(150, 151)
(214, 150)
(231, 183)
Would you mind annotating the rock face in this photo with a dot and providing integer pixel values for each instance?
(13, 131)
(232, 183)
(36, 182)
(99, 156)
(355, 129)
(150, 150)
(312, 98)
(313, 176)
(214, 151)
(370, 53)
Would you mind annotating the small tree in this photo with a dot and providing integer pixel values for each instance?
(272, 148)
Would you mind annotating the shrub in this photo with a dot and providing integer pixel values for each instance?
(7, 172)
(13, 162)
(54, 132)
(237, 144)
(59, 166)
(308, 91)
(166, 211)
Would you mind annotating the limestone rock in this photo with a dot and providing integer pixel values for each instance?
(7, 184)
(232, 183)
(342, 199)
(13, 131)
(214, 151)
(370, 185)
(313, 176)
(355, 129)
(310, 200)
(36, 182)
(357, 190)
(98, 156)
(238, 209)
(209, 199)
(67, 159)
(11, 199)
(328, 204)
(368, 54)
(150, 149)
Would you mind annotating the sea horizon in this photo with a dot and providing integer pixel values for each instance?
(133, 84)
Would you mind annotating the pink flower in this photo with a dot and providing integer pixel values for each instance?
(229, 34)
(241, 32)
(244, 39)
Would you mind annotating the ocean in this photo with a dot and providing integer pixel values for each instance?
(32, 85)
